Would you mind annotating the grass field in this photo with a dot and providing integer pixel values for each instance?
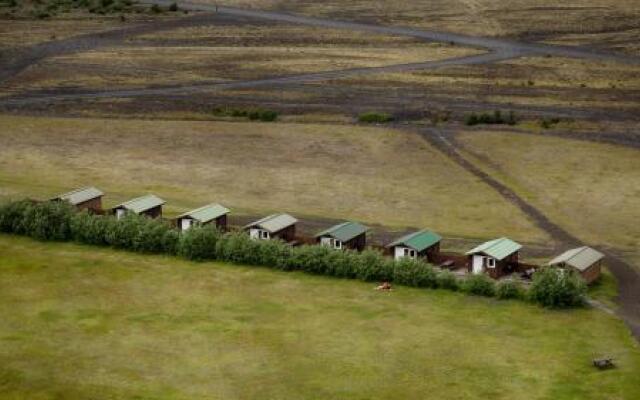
(82, 322)
(371, 174)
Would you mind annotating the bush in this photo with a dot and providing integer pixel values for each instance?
(262, 115)
(91, 229)
(312, 259)
(447, 280)
(12, 217)
(414, 273)
(156, 9)
(198, 243)
(494, 118)
(480, 285)
(371, 266)
(48, 221)
(173, 7)
(236, 248)
(557, 288)
(509, 290)
(150, 236)
(375, 118)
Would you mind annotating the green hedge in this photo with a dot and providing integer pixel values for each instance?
(58, 221)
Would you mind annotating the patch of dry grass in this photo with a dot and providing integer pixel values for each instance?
(369, 174)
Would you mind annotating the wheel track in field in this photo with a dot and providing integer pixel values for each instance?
(627, 277)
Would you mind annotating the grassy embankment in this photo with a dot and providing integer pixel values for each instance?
(85, 322)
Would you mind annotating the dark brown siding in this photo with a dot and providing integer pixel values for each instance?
(154, 212)
(431, 254)
(287, 234)
(358, 243)
(93, 205)
(221, 223)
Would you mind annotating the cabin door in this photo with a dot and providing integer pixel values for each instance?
(478, 264)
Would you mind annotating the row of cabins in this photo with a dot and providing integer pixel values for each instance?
(495, 258)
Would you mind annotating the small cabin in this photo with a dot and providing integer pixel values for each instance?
(149, 205)
(584, 260)
(88, 198)
(347, 235)
(212, 214)
(496, 258)
(276, 226)
(417, 245)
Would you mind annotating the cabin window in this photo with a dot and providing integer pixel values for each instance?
(337, 244)
(491, 262)
(264, 235)
(409, 253)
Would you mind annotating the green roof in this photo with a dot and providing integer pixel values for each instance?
(273, 223)
(80, 195)
(142, 204)
(581, 258)
(498, 248)
(418, 241)
(206, 213)
(344, 231)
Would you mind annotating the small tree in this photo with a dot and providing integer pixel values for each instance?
(557, 288)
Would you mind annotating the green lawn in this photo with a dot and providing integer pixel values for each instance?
(81, 322)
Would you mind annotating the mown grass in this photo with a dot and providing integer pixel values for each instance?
(83, 322)
(370, 174)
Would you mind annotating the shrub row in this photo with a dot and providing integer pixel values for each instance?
(58, 221)
(375, 118)
(253, 114)
(495, 118)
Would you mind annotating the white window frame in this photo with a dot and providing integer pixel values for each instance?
(337, 244)
(409, 252)
(491, 262)
(264, 235)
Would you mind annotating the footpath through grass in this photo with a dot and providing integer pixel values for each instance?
(81, 322)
